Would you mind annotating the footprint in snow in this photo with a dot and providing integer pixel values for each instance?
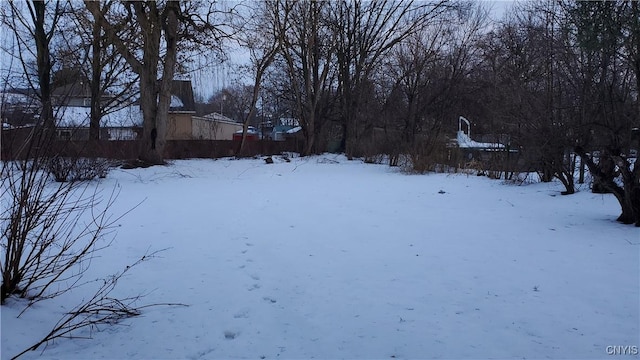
(202, 354)
(230, 335)
(242, 314)
(270, 300)
(254, 287)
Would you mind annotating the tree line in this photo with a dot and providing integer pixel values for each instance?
(374, 77)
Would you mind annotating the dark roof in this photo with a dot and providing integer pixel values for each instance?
(182, 90)
(75, 90)
(69, 90)
(179, 88)
(23, 91)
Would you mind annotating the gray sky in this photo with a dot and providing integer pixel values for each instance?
(208, 81)
(212, 78)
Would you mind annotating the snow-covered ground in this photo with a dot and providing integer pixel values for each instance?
(328, 258)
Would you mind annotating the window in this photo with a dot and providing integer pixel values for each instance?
(64, 134)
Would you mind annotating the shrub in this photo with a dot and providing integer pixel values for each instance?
(69, 169)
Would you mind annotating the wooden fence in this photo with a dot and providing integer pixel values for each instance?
(13, 143)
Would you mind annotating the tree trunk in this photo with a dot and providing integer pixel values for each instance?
(43, 60)
(310, 137)
(96, 71)
(155, 95)
(628, 195)
(243, 140)
(150, 146)
(261, 67)
(567, 180)
(631, 186)
(171, 11)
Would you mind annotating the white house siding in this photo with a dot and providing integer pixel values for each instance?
(79, 116)
(121, 134)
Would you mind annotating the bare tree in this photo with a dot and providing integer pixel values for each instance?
(45, 237)
(111, 83)
(149, 35)
(34, 25)
(365, 32)
(549, 128)
(260, 37)
(156, 23)
(50, 230)
(413, 68)
(607, 33)
(308, 53)
(87, 63)
(523, 71)
(428, 76)
(564, 80)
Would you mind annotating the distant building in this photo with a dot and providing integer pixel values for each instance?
(19, 107)
(75, 94)
(214, 126)
(72, 113)
(122, 124)
(281, 130)
(252, 134)
(181, 111)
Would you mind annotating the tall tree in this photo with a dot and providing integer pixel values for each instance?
(524, 68)
(429, 74)
(308, 53)
(93, 65)
(34, 27)
(365, 32)
(549, 136)
(607, 32)
(260, 37)
(149, 35)
(156, 22)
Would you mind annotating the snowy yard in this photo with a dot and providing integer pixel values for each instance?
(328, 258)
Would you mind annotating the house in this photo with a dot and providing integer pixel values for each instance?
(71, 110)
(181, 111)
(72, 113)
(214, 126)
(19, 107)
(279, 132)
(252, 134)
(74, 94)
(122, 124)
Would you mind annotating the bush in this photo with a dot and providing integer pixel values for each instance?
(68, 169)
(428, 154)
(50, 232)
(44, 228)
